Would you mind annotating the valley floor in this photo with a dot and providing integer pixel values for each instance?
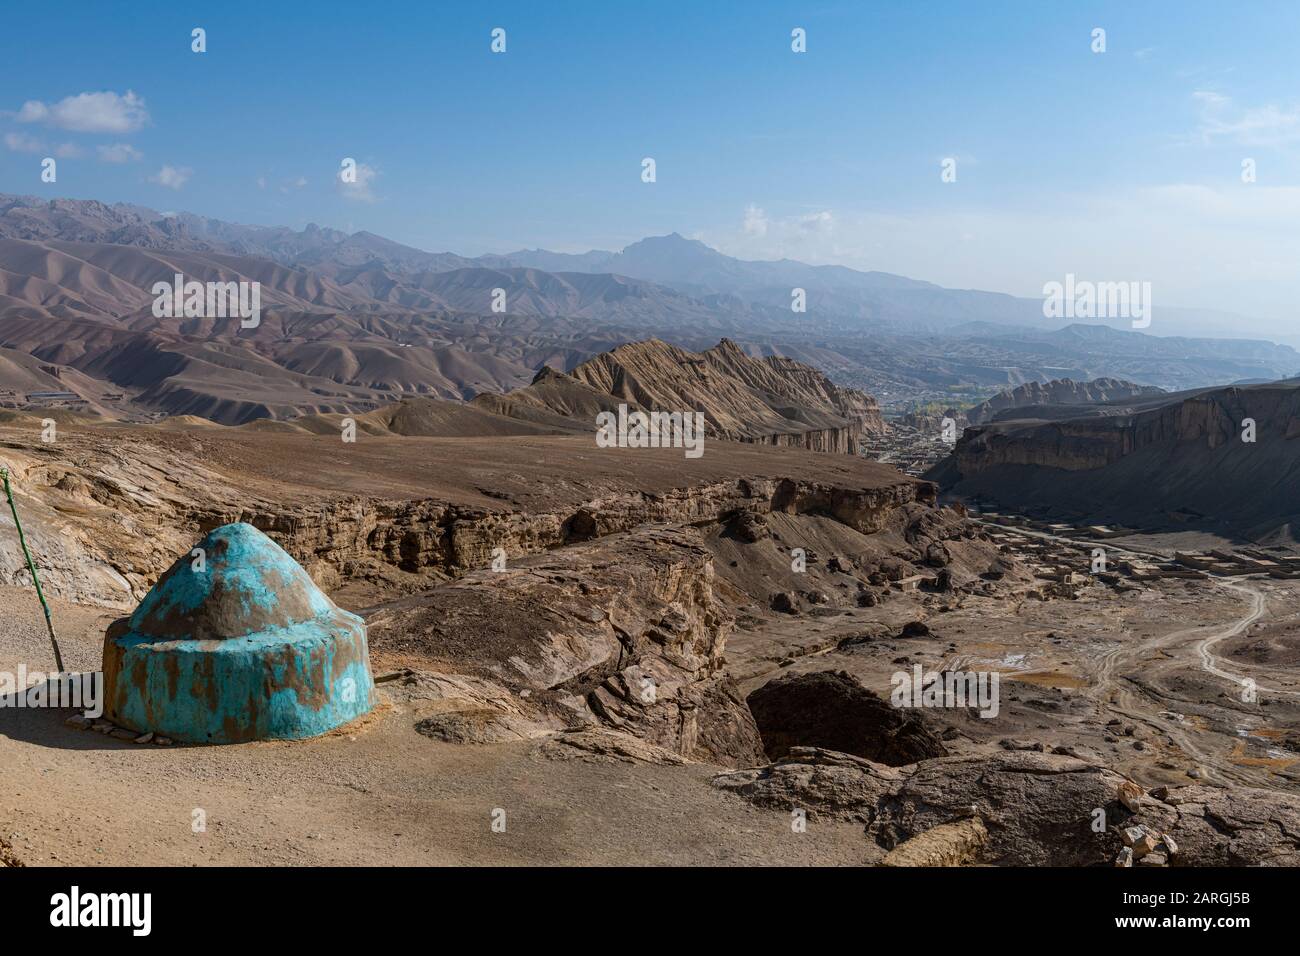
(1147, 680)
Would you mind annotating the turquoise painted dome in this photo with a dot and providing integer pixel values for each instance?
(235, 642)
(241, 582)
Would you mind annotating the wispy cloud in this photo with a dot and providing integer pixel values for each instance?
(785, 235)
(119, 153)
(105, 112)
(22, 143)
(173, 177)
(1222, 120)
(286, 185)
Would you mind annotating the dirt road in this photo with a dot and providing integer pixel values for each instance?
(1129, 677)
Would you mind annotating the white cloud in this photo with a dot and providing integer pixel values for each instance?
(22, 143)
(173, 177)
(105, 112)
(791, 235)
(1222, 119)
(1210, 100)
(819, 222)
(360, 190)
(119, 153)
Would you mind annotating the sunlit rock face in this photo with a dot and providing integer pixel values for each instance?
(236, 643)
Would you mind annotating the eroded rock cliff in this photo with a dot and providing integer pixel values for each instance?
(625, 633)
(1230, 456)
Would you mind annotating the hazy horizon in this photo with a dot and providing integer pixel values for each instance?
(1122, 165)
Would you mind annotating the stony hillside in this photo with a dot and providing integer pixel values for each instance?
(774, 400)
(1058, 392)
(1173, 459)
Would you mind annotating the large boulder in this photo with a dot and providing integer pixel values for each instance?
(817, 782)
(1024, 808)
(1039, 809)
(1240, 826)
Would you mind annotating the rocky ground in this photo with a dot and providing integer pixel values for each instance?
(636, 658)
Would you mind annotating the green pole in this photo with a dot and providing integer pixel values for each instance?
(31, 566)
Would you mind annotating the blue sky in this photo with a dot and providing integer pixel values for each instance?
(1119, 165)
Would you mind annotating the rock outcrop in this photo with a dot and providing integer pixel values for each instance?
(1140, 463)
(1024, 808)
(108, 513)
(626, 634)
(774, 401)
(818, 782)
(1037, 807)
(1215, 827)
(1061, 391)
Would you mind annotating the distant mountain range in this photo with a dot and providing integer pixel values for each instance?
(751, 293)
(353, 322)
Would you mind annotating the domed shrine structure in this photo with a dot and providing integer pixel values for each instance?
(235, 643)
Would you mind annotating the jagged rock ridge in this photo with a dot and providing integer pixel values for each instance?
(773, 400)
(1062, 391)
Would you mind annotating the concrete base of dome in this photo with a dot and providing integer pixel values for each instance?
(280, 683)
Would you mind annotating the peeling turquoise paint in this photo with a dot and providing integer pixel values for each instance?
(248, 648)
